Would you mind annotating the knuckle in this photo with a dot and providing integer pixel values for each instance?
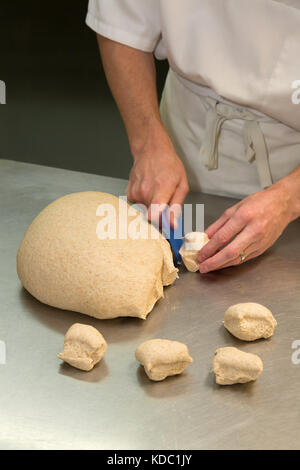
(133, 195)
(185, 186)
(228, 212)
(259, 229)
(129, 194)
(144, 189)
(186, 189)
(159, 184)
(221, 238)
(246, 213)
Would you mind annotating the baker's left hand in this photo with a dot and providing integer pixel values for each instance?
(249, 227)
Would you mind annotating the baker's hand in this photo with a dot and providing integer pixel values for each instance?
(249, 227)
(158, 177)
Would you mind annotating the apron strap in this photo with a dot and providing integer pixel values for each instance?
(257, 150)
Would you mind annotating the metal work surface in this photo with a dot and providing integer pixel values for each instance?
(45, 404)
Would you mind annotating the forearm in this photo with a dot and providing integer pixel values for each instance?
(290, 185)
(157, 175)
(131, 76)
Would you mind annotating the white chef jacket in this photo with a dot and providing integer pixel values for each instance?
(240, 58)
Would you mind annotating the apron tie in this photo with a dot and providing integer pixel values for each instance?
(257, 150)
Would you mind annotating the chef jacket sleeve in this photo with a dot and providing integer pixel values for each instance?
(135, 23)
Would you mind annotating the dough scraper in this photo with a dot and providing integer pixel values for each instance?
(173, 235)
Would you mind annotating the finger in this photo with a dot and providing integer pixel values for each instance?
(129, 192)
(173, 212)
(230, 253)
(255, 254)
(159, 202)
(140, 192)
(251, 252)
(213, 228)
(176, 203)
(154, 212)
(231, 228)
(132, 193)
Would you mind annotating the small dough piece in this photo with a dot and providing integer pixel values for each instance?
(249, 321)
(161, 358)
(232, 366)
(84, 347)
(192, 244)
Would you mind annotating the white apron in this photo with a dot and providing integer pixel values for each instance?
(227, 103)
(226, 149)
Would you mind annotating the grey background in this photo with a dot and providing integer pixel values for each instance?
(59, 109)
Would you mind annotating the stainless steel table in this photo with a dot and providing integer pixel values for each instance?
(47, 405)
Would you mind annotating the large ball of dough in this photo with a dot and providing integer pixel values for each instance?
(63, 262)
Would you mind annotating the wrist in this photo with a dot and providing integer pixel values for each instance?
(153, 136)
(289, 189)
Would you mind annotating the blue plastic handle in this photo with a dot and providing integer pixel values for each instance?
(174, 236)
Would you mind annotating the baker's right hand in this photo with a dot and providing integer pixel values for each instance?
(158, 177)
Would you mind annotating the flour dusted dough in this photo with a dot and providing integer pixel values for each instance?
(84, 347)
(193, 242)
(233, 366)
(161, 358)
(62, 262)
(249, 321)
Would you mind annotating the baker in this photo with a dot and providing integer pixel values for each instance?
(229, 118)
